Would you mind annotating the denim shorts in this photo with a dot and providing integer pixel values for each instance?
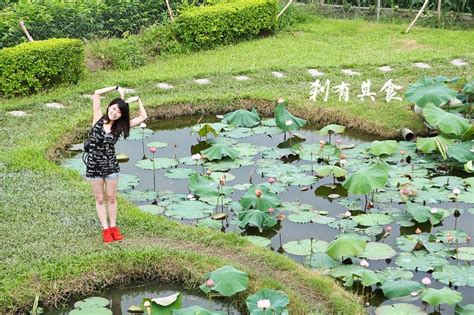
(107, 177)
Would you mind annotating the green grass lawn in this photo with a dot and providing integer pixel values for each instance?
(48, 227)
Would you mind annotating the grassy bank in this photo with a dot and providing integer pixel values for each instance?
(48, 227)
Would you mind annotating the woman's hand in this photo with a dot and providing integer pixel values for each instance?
(121, 92)
(132, 99)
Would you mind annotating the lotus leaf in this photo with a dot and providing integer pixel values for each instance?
(245, 149)
(322, 219)
(302, 217)
(158, 145)
(305, 247)
(399, 288)
(95, 310)
(265, 201)
(364, 181)
(255, 218)
(345, 246)
(216, 200)
(258, 240)
(298, 179)
(464, 310)
(218, 151)
(455, 275)
(343, 224)
(166, 300)
(159, 163)
(413, 242)
(465, 253)
(97, 301)
(179, 173)
(227, 281)
(373, 230)
(206, 129)
(386, 147)
(447, 123)
(210, 223)
(323, 261)
(428, 90)
(430, 145)
(195, 310)
(376, 251)
(266, 130)
(127, 182)
(466, 197)
(277, 153)
(420, 261)
(188, 161)
(278, 302)
(461, 152)
(368, 277)
(227, 164)
(399, 309)
(189, 210)
(140, 196)
(275, 188)
(395, 274)
(152, 209)
(285, 120)
(436, 297)
(327, 170)
(333, 128)
(206, 186)
(422, 213)
(237, 133)
(242, 118)
(457, 236)
(165, 309)
(139, 133)
(372, 219)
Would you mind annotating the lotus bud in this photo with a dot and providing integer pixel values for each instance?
(342, 156)
(342, 162)
(289, 122)
(364, 263)
(208, 172)
(196, 157)
(322, 143)
(388, 229)
(146, 304)
(414, 293)
(370, 205)
(209, 283)
(456, 191)
(271, 210)
(468, 238)
(450, 238)
(405, 191)
(402, 152)
(338, 141)
(219, 116)
(222, 180)
(418, 231)
(457, 213)
(142, 125)
(271, 180)
(263, 304)
(152, 149)
(280, 100)
(434, 210)
(258, 193)
(281, 217)
(348, 214)
(426, 281)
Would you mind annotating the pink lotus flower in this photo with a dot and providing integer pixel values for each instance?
(426, 281)
(434, 210)
(263, 304)
(258, 193)
(388, 229)
(450, 238)
(196, 157)
(210, 283)
(364, 263)
(271, 210)
(271, 180)
(456, 191)
(418, 231)
(338, 141)
(468, 238)
(152, 149)
(405, 191)
(402, 152)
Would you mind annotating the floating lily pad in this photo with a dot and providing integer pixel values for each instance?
(156, 163)
(364, 181)
(140, 196)
(375, 251)
(179, 173)
(238, 133)
(278, 302)
(258, 240)
(464, 309)
(455, 275)
(386, 147)
(227, 281)
(245, 149)
(127, 181)
(399, 309)
(420, 261)
(152, 209)
(195, 310)
(465, 253)
(302, 217)
(218, 151)
(189, 210)
(323, 261)
(263, 202)
(395, 274)
(436, 297)
(206, 186)
(305, 247)
(139, 133)
(399, 288)
(422, 214)
(372, 219)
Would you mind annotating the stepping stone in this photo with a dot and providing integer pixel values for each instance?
(54, 105)
(278, 75)
(242, 78)
(202, 81)
(164, 86)
(386, 69)
(315, 73)
(421, 65)
(458, 62)
(18, 113)
(128, 90)
(350, 72)
(91, 96)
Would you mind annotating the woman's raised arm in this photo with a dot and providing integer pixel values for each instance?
(143, 115)
(96, 100)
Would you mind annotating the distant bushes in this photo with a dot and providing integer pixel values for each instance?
(89, 19)
(225, 22)
(31, 67)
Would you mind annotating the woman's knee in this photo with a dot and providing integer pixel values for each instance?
(112, 198)
(99, 199)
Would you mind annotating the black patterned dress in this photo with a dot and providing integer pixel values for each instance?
(101, 160)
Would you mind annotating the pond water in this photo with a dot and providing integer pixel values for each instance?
(316, 208)
(120, 299)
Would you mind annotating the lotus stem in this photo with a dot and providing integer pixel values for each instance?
(154, 170)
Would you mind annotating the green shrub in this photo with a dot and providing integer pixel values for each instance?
(160, 39)
(89, 19)
(115, 53)
(226, 22)
(30, 67)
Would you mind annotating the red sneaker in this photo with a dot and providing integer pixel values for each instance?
(115, 232)
(107, 236)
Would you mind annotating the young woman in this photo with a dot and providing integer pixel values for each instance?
(102, 169)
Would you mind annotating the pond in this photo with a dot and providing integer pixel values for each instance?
(121, 299)
(412, 227)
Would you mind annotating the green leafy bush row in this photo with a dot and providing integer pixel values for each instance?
(89, 19)
(226, 22)
(31, 67)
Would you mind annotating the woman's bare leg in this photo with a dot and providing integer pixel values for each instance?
(111, 188)
(98, 191)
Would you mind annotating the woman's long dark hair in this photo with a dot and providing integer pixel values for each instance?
(120, 126)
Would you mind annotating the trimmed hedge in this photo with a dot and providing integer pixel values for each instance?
(226, 23)
(37, 65)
